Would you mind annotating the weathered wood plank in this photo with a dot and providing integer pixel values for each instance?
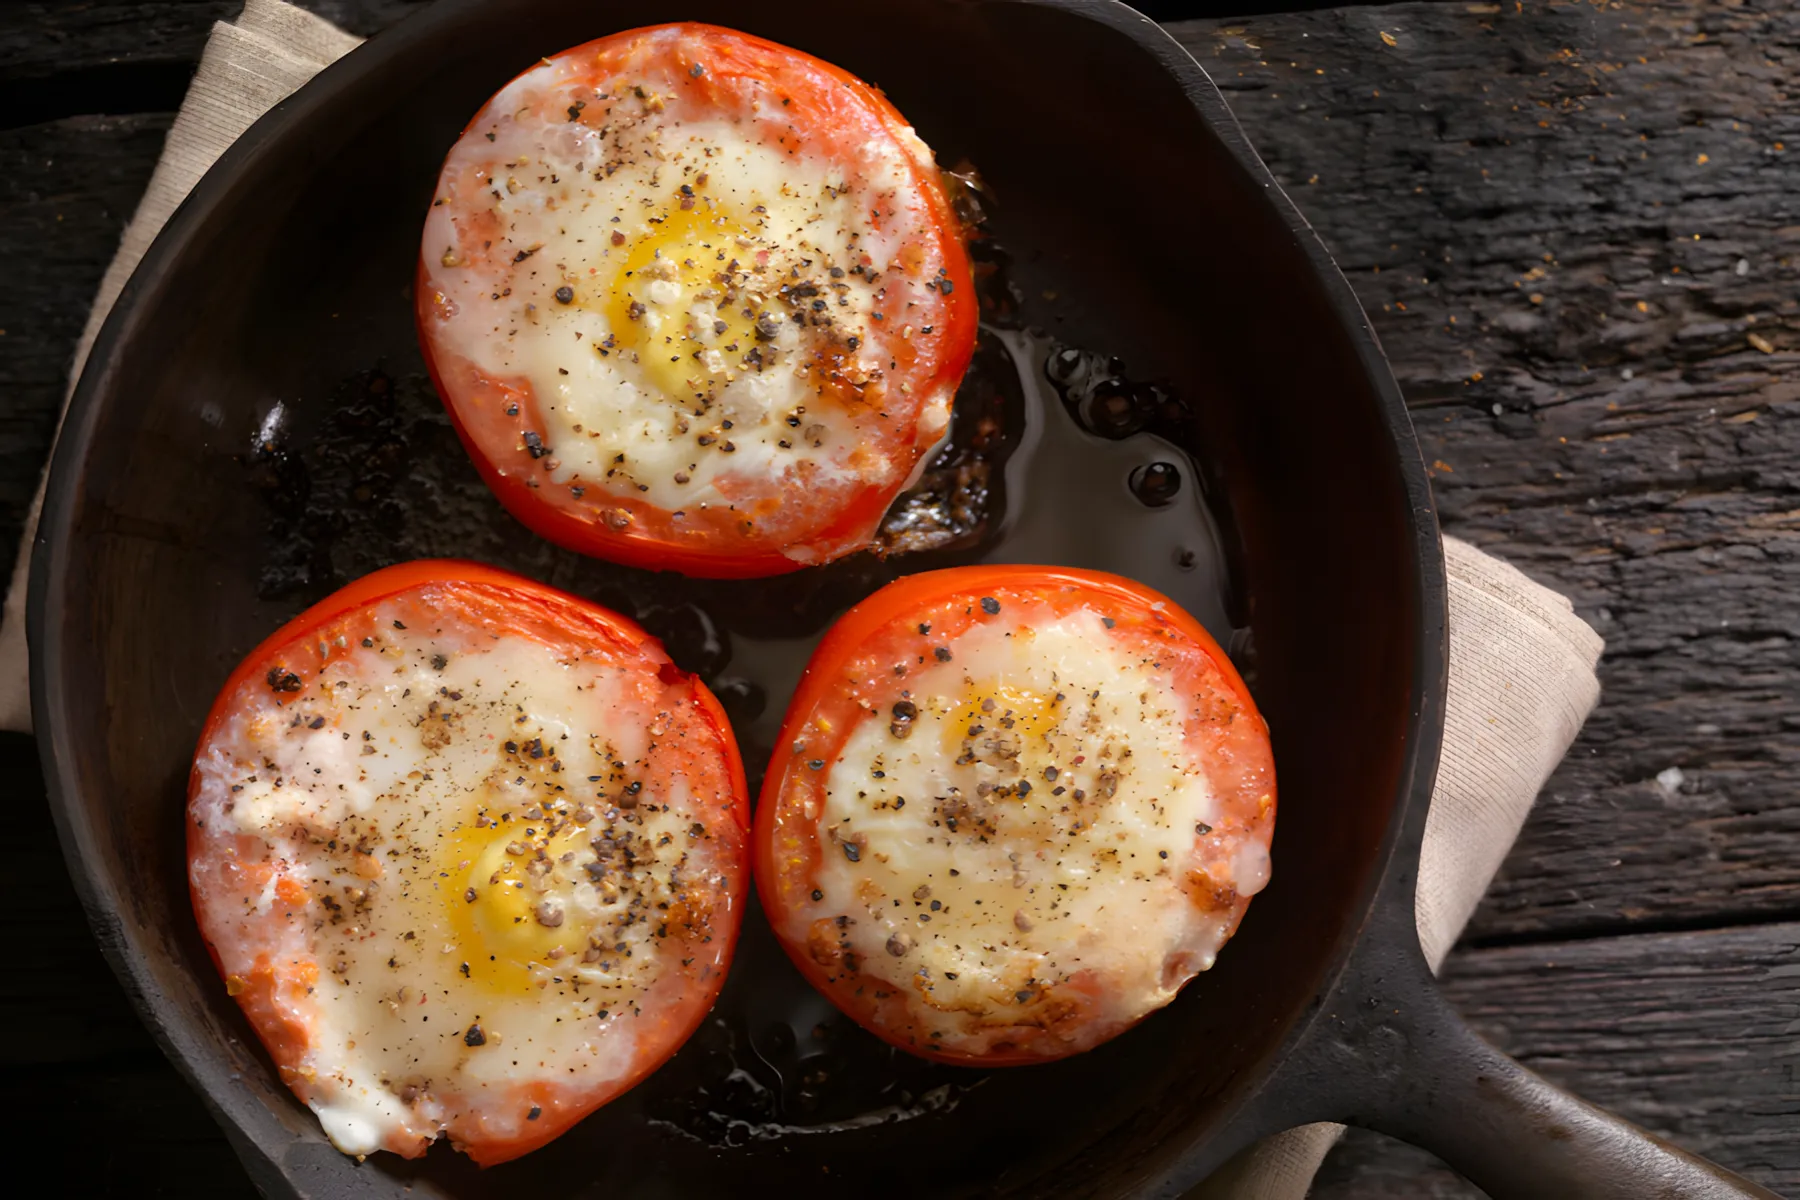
(1575, 227)
(1692, 1035)
(67, 189)
(86, 95)
(40, 40)
(1663, 535)
(1677, 540)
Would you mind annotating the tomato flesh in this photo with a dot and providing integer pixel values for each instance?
(860, 680)
(884, 389)
(255, 910)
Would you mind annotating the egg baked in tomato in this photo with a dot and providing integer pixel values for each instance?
(470, 853)
(1012, 811)
(695, 301)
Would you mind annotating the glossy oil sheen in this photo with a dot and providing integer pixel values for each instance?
(256, 433)
(370, 473)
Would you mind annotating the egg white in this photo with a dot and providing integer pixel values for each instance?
(360, 790)
(979, 870)
(571, 203)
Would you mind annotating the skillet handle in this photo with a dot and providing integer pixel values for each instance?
(1508, 1130)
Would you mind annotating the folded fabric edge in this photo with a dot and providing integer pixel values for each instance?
(1499, 578)
(1280, 1168)
(1487, 595)
(296, 31)
(296, 45)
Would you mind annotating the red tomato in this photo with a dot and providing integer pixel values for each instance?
(761, 410)
(1012, 810)
(386, 851)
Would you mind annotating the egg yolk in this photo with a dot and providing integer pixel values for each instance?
(509, 908)
(997, 712)
(676, 302)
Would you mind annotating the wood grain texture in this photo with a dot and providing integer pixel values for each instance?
(67, 189)
(1668, 511)
(87, 92)
(1575, 228)
(1505, 186)
(1642, 1019)
(38, 40)
(1693, 1035)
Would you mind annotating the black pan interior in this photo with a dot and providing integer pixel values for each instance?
(277, 311)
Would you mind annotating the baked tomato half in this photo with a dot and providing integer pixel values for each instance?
(471, 855)
(695, 301)
(1013, 810)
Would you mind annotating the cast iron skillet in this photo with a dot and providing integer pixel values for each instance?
(229, 456)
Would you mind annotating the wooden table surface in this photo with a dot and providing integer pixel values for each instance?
(1577, 229)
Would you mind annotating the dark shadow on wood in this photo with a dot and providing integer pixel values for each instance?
(134, 77)
(108, 88)
(1707, 922)
(1685, 519)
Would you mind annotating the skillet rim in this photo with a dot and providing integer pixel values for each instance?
(1392, 871)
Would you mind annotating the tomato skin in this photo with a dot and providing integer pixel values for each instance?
(530, 610)
(785, 841)
(828, 102)
(544, 602)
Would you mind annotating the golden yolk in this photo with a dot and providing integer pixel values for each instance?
(1001, 711)
(693, 257)
(502, 932)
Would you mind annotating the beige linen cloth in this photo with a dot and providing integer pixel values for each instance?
(1521, 662)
